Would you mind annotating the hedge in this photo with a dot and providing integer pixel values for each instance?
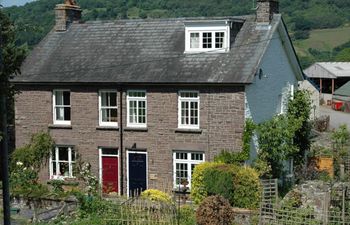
(218, 181)
(198, 192)
(240, 185)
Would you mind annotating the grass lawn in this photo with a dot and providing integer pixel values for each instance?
(325, 39)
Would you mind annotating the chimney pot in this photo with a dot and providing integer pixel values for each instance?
(265, 10)
(66, 14)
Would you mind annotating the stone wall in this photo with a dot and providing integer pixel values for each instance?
(245, 216)
(221, 125)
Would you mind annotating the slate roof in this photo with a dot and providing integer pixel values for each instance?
(329, 70)
(143, 51)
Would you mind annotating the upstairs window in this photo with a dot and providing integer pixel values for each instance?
(108, 109)
(61, 107)
(188, 109)
(219, 39)
(207, 37)
(136, 108)
(194, 41)
(206, 41)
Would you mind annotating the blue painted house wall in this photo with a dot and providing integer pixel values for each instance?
(264, 93)
(263, 96)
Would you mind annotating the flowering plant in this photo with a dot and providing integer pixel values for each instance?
(25, 182)
(91, 181)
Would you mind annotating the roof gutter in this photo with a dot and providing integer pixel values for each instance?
(17, 83)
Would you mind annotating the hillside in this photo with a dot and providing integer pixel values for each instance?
(35, 19)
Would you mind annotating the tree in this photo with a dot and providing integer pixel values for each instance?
(285, 136)
(276, 144)
(343, 56)
(12, 55)
(299, 109)
(11, 58)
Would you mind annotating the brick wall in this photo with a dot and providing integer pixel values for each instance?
(221, 125)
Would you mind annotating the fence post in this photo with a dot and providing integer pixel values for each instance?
(343, 205)
(325, 211)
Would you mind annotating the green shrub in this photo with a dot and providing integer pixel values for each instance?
(35, 153)
(214, 210)
(239, 185)
(157, 196)
(247, 188)
(89, 205)
(218, 181)
(187, 215)
(198, 192)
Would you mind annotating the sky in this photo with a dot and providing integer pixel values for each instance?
(7, 3)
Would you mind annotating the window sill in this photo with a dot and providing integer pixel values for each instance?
(60, 126)
(209, 51)
(188, 130)
(107, 128)
(137, 129)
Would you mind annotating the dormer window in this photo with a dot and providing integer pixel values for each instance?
(194, 40)
(207, 36)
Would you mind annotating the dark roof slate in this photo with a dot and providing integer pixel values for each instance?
(142, 51)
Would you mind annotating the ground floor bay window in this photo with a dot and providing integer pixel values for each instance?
(62, 161)
(184, 164)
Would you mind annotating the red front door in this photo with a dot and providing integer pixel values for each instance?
(109, 174)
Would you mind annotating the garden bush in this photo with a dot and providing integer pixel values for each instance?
(218, 180)
(239, 185)
(35, 153)
(214, 210)
(247, 188)
(157, 196)
(198, 192)
(187, 215)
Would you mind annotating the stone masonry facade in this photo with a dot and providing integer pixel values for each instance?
(221, 125)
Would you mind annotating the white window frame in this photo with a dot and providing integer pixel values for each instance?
(185, 99)
(100, 156)
(61, 122)
(57, 162)
(189, 163)
(100, 107)
(207, 29)
(137, 99)
(284, 97)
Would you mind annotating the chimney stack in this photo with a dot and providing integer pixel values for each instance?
(265, 10)
(66, 14)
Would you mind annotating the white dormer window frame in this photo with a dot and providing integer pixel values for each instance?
(211, 39)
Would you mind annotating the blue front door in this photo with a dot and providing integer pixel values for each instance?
(137, 172)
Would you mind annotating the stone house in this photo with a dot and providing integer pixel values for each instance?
(144, 101)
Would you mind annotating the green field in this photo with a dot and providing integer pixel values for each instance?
(324, 40)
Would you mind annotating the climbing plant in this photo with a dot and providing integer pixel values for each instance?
(299, 108)
(285, 136)
(34, 154)
(276, 144)
(239, 157)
